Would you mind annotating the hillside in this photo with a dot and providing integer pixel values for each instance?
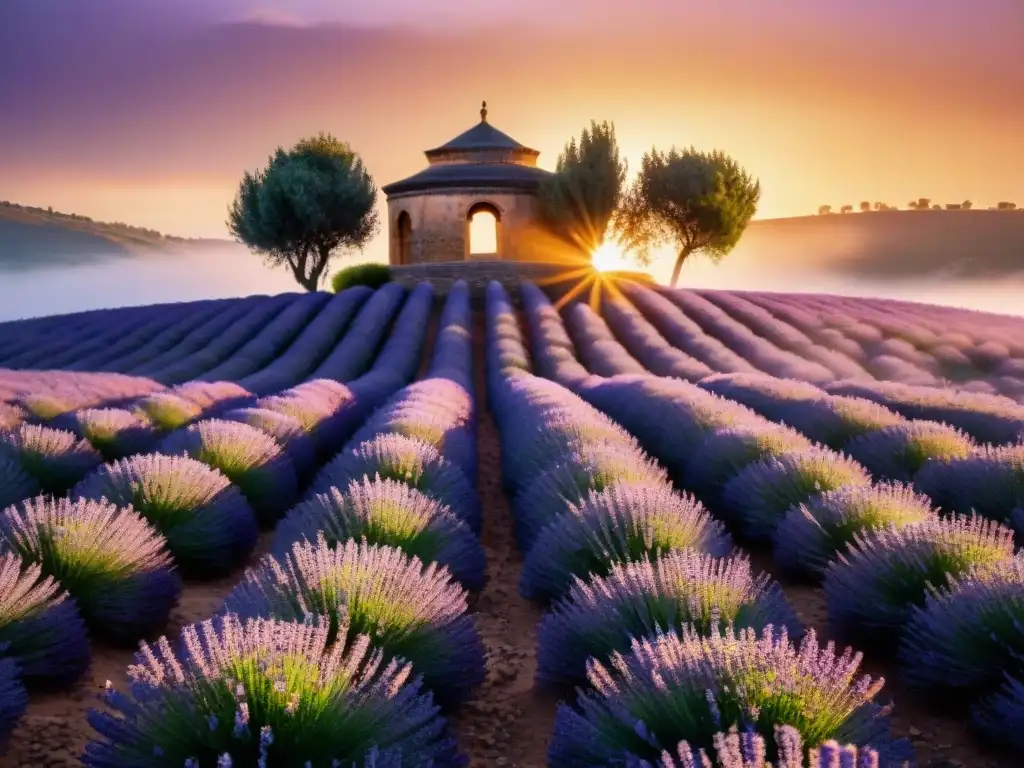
(894, 244)
(36, 237)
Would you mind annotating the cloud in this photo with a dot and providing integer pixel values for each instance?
(273, 17)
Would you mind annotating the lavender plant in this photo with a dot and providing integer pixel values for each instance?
(1000, 717)
(115, 432)
(40, 625)
(109, 560)
(409, 461)
(55, 459)
(641, 599)
(408, 609)
(167, 411)
(967, 635)
(15, 483)
(621, 524)
(11, 415)
(836, 420)
(209, 526)
(249, 458)
(899, 452)
(589, 468)
(812, 534)
(13, 696)
(286, 430)
(758, 498)
(259, 692)
(386, 512)
(689, 688)
(873, 586)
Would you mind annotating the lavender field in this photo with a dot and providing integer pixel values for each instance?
(378, 529)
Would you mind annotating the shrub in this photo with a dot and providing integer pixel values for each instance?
(115, 432)
(386, 512)
(13, 696)
(967, 635)
(210, 395)
(409, 461)
(249, 458)
(286, 430)
(673, 689)
(371, 275)
(899, 452)
(167, 411)
(15, 483)
(725, 452)
(208, 524)
(621, 524)
(11, 415)
(758, 498)
(813, 533)
(590, 468)
(872, 587)
(110, 561)
(40, 625)
(679, 589)
(55, 459)
(1001, 717)
(267, 693)
(408, 609)
(836, 420)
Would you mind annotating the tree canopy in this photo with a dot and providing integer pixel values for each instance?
(309, 203)
(580, 198)
(697, 201)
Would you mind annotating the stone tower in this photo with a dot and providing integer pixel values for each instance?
(480, 173)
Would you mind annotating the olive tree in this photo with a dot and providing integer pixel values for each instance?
(307, 205)
(579, 199)
(697, 201)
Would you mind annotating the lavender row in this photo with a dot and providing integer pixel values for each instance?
(371, 564)
(624, 556)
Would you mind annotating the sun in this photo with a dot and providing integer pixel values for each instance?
(608, 257)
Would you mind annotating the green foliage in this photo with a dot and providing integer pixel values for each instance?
(698, 201)
(580, 198)
(371, 275)
(308, 203)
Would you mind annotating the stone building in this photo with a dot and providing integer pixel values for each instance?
(476, 200)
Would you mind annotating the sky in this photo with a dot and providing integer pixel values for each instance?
(149, 111)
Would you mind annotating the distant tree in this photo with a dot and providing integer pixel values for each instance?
(966, 205)
(912, 205)
(865, 206)
(699, 201)
(824, 210)
(952, 206)
(924, 203)
(881, 207)
(306, 205)
(936, 207)
(581, 197)
(1005, 206)
(846, 209)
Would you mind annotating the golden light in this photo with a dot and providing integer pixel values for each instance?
(608, 256)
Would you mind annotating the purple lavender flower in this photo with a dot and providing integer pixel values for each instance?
(15, 483)
(250, 459)
(640, 599)
(110, 561)
(213, 395)
(1000, 717)
(899, 452)
(590, 468)
(387, 512)
(167, 411)
(286, 430)
(408, 609)
(278, 694)
(835, 420)
(761, 392)
(621, 524)
(758, 498)
(407, 460)
(55, 459)
(690, 688)
(208, 524)
(724, 453)
(13, 696)
(40, 624)
(115, 432)
(966, 636)
(873, 586)
(812, 534)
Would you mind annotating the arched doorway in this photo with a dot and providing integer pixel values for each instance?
(404, 227)
(483, 231)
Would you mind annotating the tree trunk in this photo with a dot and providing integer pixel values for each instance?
(683, 254)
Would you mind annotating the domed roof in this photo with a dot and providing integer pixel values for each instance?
(482, 156)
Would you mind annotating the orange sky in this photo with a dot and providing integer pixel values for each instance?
(875, 107)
